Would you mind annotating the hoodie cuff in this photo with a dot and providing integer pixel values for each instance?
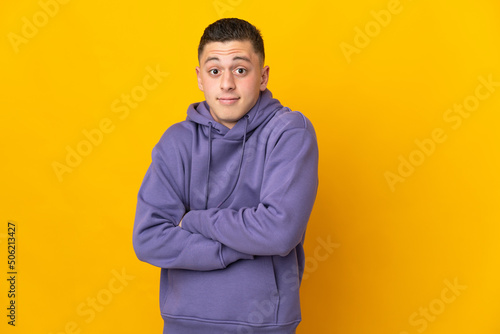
(229, 255)
(195, 222)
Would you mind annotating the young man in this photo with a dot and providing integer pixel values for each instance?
(224, 205)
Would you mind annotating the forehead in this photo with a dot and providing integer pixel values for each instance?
(228, 50)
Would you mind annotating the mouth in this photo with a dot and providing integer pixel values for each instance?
(228, 100)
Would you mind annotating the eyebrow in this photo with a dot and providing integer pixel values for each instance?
(235, 58)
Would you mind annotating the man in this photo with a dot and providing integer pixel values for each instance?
(224, 205)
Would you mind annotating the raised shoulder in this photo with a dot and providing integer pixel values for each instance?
(178, 132)
(287, 119)
(176, 136)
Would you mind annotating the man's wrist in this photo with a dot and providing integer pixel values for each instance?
(180, 223)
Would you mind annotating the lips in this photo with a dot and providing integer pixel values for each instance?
(228, 100)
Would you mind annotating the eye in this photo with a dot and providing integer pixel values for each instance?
(241, 70)
(214, 71)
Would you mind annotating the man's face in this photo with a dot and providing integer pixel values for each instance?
(231, 76)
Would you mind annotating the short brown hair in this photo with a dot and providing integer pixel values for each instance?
(232, 29)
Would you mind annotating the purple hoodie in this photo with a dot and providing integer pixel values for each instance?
(244, 196)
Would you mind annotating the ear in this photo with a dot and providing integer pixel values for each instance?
(198, 74)
(264, 78)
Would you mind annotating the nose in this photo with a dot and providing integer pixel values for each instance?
(227, 81)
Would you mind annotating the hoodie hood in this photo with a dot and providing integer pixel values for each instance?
(263, 110)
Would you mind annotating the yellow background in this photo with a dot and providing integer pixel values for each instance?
(397, 246)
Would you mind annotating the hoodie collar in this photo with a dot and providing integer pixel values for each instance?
(264, 108)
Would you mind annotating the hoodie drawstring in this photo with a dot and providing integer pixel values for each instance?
(209, 162)
(241, 161)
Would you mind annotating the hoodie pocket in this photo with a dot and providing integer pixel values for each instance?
(244, 292)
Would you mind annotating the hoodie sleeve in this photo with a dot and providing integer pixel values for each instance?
(156, 237)
(278, 223)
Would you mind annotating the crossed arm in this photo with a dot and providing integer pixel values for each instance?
(156, 237)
